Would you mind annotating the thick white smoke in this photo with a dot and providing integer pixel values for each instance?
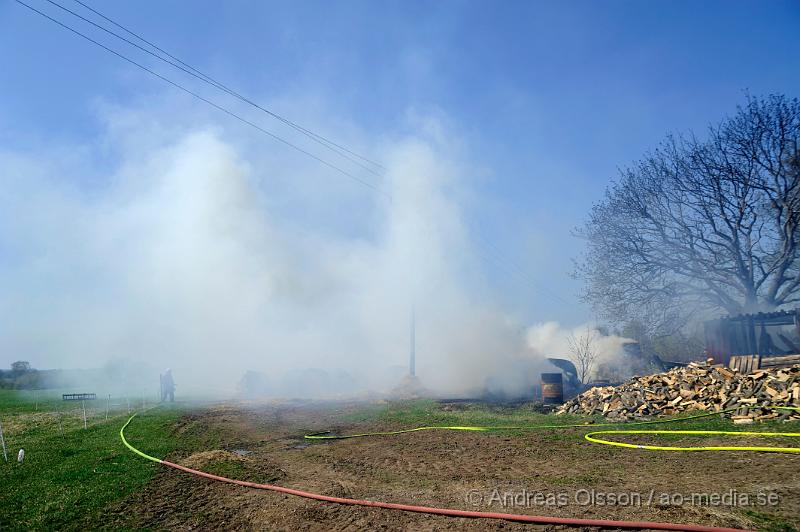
(550, 339)
(181, 254)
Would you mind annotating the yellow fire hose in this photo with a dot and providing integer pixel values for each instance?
(591, 436)
(538, 519)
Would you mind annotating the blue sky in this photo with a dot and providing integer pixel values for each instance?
(548, 99)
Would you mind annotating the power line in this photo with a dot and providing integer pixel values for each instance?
(206, 100)
(186, 68)
(340, 150)
(515, 269)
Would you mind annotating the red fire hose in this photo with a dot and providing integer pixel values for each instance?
(451, 512)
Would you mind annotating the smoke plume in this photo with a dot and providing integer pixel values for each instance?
(187, 248)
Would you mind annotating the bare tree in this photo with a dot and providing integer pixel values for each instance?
(702, 226)
(583, 352)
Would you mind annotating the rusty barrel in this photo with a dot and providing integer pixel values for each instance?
(552, 389)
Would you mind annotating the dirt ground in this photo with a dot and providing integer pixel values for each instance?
(543, 473)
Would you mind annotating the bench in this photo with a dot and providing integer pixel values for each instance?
(79, 396)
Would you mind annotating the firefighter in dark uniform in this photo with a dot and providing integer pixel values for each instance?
(167, 386)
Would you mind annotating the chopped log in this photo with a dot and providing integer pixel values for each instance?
(696, 387)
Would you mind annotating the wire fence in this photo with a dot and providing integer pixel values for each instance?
(24, 413)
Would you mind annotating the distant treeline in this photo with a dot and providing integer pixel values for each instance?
(21, 376)
(121, 374)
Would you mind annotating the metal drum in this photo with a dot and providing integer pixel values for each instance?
(552, 388)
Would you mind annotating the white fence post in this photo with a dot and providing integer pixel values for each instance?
(3, 440)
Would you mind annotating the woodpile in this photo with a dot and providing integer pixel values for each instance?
(695, 388)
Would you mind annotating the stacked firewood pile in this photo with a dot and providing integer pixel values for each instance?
(696, 387)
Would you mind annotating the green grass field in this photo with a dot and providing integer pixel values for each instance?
(425, 412)
(71, 474)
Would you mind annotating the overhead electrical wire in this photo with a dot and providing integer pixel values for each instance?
(188, 69)
(192, 71)
(512, 267)
(209, 102)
